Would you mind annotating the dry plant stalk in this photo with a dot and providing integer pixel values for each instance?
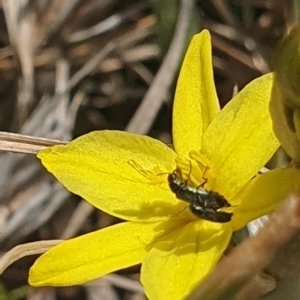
(25, 250)
(24, 143)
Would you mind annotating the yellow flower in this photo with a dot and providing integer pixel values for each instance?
(126, 175)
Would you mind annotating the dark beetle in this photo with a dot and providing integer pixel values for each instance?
(203, 204)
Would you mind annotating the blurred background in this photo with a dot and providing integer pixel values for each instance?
(73, 66)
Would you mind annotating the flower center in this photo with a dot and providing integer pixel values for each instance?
(195, 172)
(192, 182)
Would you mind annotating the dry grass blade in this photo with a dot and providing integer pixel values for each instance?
(108, 24)
(25, 250)
(156, 95)
(91, 65)
(254, 254)
(225, 12)
(80, 215)
(24, 143)
(123, 282)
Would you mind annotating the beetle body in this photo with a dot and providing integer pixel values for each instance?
(204, 204)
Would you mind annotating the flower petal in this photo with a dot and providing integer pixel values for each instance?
(263, 194)
(100, 167)
(183, 258)
(196, 102)
(240, 139)
(95, 254)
